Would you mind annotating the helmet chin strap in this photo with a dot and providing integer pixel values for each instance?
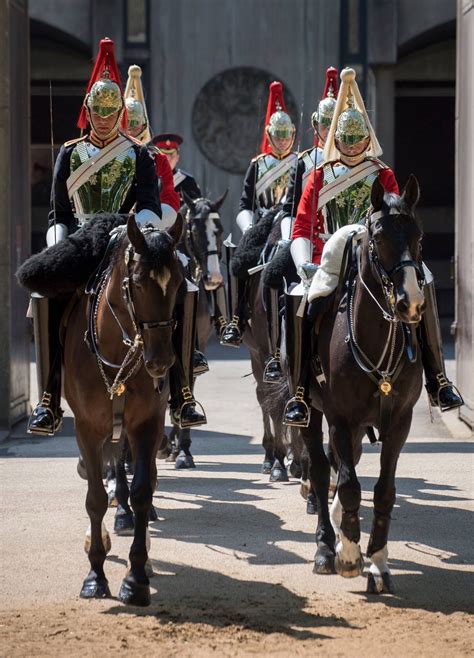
(353, 160)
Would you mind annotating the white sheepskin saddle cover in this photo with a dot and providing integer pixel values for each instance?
(327, 276)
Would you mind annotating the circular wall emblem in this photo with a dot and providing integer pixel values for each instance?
(229, 114)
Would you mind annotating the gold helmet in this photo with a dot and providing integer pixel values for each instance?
(135, 102)
(327, 104)
(350, 123)
(105, 96)
(277, 123)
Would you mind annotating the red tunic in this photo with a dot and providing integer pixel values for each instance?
(168, 194)
(309, 202)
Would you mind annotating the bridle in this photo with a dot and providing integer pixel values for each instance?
(383, 378)
(134, 355)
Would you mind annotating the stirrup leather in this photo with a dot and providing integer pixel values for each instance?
(442, 383)
(299, 398)
(274, 360)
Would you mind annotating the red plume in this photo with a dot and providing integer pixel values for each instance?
(105, 60)
(275, 102)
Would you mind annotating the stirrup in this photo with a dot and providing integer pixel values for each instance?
(54, 421)
(234, 340)
(273, 365)
(298, 398)
(188, 399)
(435, 398)
(220, 324)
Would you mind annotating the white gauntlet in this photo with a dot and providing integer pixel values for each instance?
(245, 220)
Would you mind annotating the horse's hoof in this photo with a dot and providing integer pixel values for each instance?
(152, 515)
(124, 524)
(324, 560)
(382, 584)
(349, 569)
(279, 473)
(311, 504)
(267, 466)
(95, 588)
(172, 457)
(133, 593)
(295, 470)
(184, 461)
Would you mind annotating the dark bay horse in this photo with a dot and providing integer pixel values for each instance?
(202, 244)
(132, 325)
(368, 352)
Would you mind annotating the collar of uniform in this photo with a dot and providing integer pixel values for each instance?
(100, 143)
(280, 156)
(353, 160)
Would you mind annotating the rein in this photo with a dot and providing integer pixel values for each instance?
(386, 377)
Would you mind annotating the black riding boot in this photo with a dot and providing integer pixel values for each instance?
(298, 349)
(441, 391)
(232, 334)
(47, 416)
(182, 402)
(272, 373)
(200, 364)
(220, 311)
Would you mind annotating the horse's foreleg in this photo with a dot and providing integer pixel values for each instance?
(349, 562)
(135, 588)
(123, 523)
(95, 585)
(184, 458)
(268, 440)
(379, 578)
(319, 477)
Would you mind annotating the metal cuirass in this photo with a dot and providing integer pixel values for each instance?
(105, 190)
(272, 178)
(350, 205)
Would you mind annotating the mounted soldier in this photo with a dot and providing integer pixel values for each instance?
(104, 171)
(169, 144)
(265, 185)
(139, 127)
(336, 197)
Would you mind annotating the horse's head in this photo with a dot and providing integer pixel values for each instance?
(394, 235)
(155, 276)
(206, 237)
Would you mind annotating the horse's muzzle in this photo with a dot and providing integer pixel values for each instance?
(158, 368)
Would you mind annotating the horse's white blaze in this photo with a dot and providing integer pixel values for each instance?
(336, 515)
(162, 278)
(346, 550)
(411, 287)
(213, 265)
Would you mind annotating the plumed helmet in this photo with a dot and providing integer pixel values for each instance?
(135, 113)
(280, 125)
(277, 120)
(327, 104)
(105, 96)
(351, 125)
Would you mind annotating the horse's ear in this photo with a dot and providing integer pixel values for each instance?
(176, 231)
(188, 201)
(136, 237)
(377, 193)
(218, 202)
(411, 193)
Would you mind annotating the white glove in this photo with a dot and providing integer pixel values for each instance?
(56, 233)
(285, 227)
(245, 220)
(301, 253)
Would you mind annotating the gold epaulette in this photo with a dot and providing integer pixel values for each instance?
(322, 164)
(259, 157)
(133, 139)
(382, 164)
(74, 141)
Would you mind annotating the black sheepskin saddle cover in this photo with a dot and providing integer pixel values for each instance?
(252, 244)
(281, 267)
(59, 270)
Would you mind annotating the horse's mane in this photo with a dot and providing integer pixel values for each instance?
(392, 201)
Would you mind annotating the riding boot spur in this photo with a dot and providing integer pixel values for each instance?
(182, 403)
(298, 343)
(272, 373)
(46, 418)
(441, 391)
